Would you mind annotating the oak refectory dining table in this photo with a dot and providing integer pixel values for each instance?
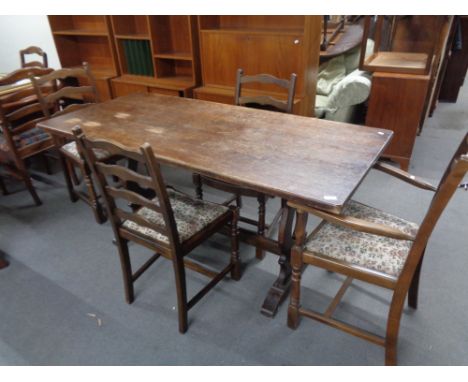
(306, 160)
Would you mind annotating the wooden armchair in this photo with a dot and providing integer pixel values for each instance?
(20, 139)
(33, 50)
(64, 99)
(373, 246)
(264, 102)
(171, 225)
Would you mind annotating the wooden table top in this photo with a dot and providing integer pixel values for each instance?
(316, 162)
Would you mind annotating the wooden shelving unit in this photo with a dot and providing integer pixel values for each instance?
(172, 49)
(278, 45)
(87, 38)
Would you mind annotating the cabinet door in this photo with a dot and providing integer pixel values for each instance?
(223, 52)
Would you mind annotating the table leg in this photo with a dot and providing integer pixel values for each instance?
(280, 288)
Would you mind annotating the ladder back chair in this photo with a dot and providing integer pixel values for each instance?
(171, 225)
(64, 99)
(265, 102)
(370, 245)
(33, 50)
(20, 139)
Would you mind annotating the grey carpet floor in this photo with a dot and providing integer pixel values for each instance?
(65, 275)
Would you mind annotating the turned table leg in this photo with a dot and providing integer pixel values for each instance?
(280, 288)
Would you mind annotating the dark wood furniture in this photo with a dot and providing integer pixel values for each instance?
(61, 100)
(367, 244)
(87, 38)
(262, 101)
(402, 44)
(156, 54)
(319, 163)
(171, 225)
(396, 102)
(20, 139)
(33, 50)
(340, 34)
(278, 45)
(457, 66)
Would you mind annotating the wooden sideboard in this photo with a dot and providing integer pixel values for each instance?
(397, 103)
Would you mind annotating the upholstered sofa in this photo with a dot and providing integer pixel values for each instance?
(342, 87)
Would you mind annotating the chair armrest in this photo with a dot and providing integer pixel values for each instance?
(355, 223)
(404, 176)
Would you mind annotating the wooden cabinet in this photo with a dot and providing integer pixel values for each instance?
(87, 38)
(457, 64)
(397, 103)
(278, 45)
(157, 54)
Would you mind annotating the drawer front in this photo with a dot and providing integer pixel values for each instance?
(121, 88)
(164, 91)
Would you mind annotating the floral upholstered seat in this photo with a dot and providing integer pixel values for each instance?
(73, 150)
(191, 216)
(25, 138)
(378, 253)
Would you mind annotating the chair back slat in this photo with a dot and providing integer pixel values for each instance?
(33, 50)
(124, 174)
(284, 106)
(128, 179)
(68, 91)
(265, 79)
(133, 197)
(263, 100)
(19, 121)
(115, 148)
(24, 73)
(62, 92)
(22, 113)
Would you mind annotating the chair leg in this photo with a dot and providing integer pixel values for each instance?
(196, 178)
(414, 286)
(66, 173)
(45, 161)
(3, 187)
(295, 299)
(181, 286)
(126, 266)
(31, 189)
(235, 271)
(92, 195)
(72, 172)
(393, 327)
(259, 252)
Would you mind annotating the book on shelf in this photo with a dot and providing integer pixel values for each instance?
(138, 57)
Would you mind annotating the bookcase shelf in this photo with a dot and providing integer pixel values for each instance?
(80, 32)
(84, 25)
(132, 37)
(131, 26)
(170, 42)
(87, 38)
(175, 56)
